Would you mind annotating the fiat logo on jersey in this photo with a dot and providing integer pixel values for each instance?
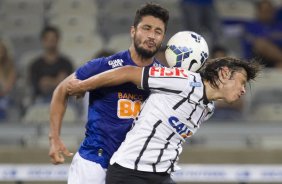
(168, 72)
(180, 127)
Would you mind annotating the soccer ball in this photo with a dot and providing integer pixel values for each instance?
(187, 49)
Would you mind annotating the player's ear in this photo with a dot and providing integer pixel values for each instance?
(132, 31)
(225, 72)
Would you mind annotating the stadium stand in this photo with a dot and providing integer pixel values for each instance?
(264, 99)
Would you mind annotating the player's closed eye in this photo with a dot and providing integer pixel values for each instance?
(158, 32)
(146, 27)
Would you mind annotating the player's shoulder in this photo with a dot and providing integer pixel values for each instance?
(118, 59)
(112, 60)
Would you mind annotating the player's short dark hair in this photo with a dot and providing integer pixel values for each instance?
(154, 10)
(48, 29)
(209, 72)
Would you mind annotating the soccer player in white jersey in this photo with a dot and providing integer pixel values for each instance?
(179, 102)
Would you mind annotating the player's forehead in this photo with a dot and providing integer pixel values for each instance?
(152, 21)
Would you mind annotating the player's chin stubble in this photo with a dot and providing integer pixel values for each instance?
(143, 52)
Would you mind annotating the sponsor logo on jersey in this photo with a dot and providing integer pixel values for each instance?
(130, 96)
(129, 105)
(180, 127)
(115, 63)
(195, 84)
(128, 109)
(168, 72)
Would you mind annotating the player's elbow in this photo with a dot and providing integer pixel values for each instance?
(60, 92)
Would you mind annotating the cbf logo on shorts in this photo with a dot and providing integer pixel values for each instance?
(180, 127)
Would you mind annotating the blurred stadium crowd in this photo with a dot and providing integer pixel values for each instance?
(75, 31)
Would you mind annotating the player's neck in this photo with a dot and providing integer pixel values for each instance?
(138, 60)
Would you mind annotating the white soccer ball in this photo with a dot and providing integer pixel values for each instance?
(187, 49)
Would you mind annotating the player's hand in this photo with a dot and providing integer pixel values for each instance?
(58, 150)
(74, 89)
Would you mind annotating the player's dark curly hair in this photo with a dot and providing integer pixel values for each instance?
(210, 73)
(153, 10)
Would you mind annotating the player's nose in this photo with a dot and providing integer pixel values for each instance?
(151, 34)
(243, 90)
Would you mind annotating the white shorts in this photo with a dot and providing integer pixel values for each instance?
(85, 172)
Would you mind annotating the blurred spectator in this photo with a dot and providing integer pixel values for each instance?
(50, 68)
(263, 37)
(223, 110)
(279, 14)
(7, 79)
(201, 16)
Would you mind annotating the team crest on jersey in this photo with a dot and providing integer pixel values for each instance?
(195, 84)
(180, 127)
(115, 63)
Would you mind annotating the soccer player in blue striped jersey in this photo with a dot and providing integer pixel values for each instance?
(111, 110)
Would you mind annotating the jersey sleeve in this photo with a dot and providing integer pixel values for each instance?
(166, 80)
(92, 68)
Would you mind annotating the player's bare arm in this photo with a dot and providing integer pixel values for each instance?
(57, 110)
(109, 78)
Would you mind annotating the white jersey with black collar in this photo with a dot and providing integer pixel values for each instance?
(174, 111)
